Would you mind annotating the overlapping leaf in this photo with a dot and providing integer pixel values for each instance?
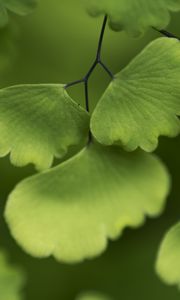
(135, 16)
(92, 296)
(20, 7)
(11, 280)
(71, 210)
(38, 122)
(168, 262)
(143, 101)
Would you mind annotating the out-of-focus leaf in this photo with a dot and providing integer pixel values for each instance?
(20, 7)
(168, 262)
(92, 296)
(135, 16)
(11, 280)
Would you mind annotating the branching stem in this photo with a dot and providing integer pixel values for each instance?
(95, 63)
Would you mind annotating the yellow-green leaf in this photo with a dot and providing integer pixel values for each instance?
(71, 211)
(38, 122)
(168, 261)
(143, 101)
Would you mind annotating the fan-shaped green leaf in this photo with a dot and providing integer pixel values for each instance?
(20, 7)
(143, 101)
(71, 210)
(135, 16)
(92, 296)
(11, 280)
(168, 262)
(38, 122)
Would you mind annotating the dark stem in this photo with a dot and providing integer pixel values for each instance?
(87, 105)
(167, 33)
(106, 69)
(86, 95)
(86, 77)
(74, 83)
(95, 63)
(98, 56)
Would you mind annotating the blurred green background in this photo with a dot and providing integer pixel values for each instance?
(57, 44)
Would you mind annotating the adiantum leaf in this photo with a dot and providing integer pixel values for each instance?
(135, 16)
(71, 210)
(20, 7)
(92, 296)
(11, 280)
(38, 122)
(168, 261)
(143, 101)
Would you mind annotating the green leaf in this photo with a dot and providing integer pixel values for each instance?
(135, 16)
(8, 50)
(11, 280)
(20, 7)
(71, 210)
(168, 261)
(38, 122)
(92, 296)
(143, 101)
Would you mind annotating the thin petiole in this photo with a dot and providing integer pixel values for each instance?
(86, 95)
(90, 71)
(98, 55)
(74, 83)
(106, 69)
(167, 33)
(87, 106)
